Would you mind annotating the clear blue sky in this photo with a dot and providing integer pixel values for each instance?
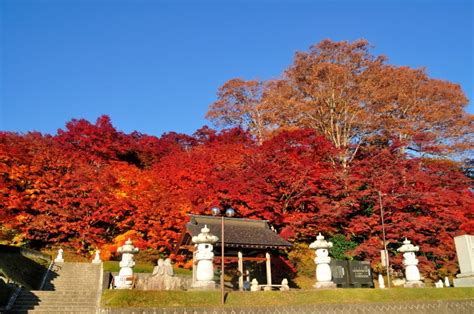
(155, 66)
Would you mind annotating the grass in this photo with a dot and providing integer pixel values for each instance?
(135, 298)
(113, 266)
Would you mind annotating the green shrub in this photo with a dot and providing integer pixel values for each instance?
(341, 246)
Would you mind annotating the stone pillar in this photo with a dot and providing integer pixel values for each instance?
(465, 253)
(204, 256)
(240, 266)
(322, 260)
(412, 274)
(446, 282)
(59, 258)
(381, 282)
(125, 279)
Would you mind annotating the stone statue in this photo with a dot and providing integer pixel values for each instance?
(163, 278)
(168, 268)
(59, 258)
(97, 259)
(158, 270)
(169, 281)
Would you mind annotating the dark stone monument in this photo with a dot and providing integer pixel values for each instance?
(360, 274)
(340, 273)
(351, 274)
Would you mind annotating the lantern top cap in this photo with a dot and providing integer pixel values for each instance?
(408, 247)
(320, 243)
(205, 236)
(128, 247)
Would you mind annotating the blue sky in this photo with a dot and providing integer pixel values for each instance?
(155, 66)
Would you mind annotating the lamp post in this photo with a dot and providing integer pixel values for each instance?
(382, 218)
(229, 213)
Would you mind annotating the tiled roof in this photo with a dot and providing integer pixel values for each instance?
(247, 233)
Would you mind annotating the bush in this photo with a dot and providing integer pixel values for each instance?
(303, 258)
(340, 246)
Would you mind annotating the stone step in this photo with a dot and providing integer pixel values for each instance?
(65, 293)
(72, 284)
(70, 288)
(77, 305)
(55, 297)
(55, 304)
(49, 311)
(55, 309)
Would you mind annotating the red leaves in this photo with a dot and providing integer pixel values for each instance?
(91, 185)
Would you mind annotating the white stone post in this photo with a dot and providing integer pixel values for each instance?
(412, 274)
(59, 258)
(125, 278)
(381, 282)
(446, 282)
(322, 260)
(97, 259)
(204, 256)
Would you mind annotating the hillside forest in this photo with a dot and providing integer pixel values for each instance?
(340, 135)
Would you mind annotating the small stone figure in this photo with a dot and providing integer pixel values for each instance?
(204, 256)
(381, 282)
(412, 274)
(439, 284)
(168, 279)
(125, 278)
(322, 260)
(158, 270)
(97, 259)
(284, 285)
(163, 278)
(254, 285)
(59, 258)
(446, 282)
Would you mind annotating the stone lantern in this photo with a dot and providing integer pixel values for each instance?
(412, 274)
(204, 257)
(125, 278)
(322, 260)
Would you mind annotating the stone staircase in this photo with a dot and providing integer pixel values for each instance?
(70, 288)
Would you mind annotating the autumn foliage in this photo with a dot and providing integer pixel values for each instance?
(320, 150)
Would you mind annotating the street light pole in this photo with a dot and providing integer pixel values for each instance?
(229, 213)
(222, 261)
(387, 262)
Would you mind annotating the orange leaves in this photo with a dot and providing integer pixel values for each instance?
(92, 192)
(352, 97)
